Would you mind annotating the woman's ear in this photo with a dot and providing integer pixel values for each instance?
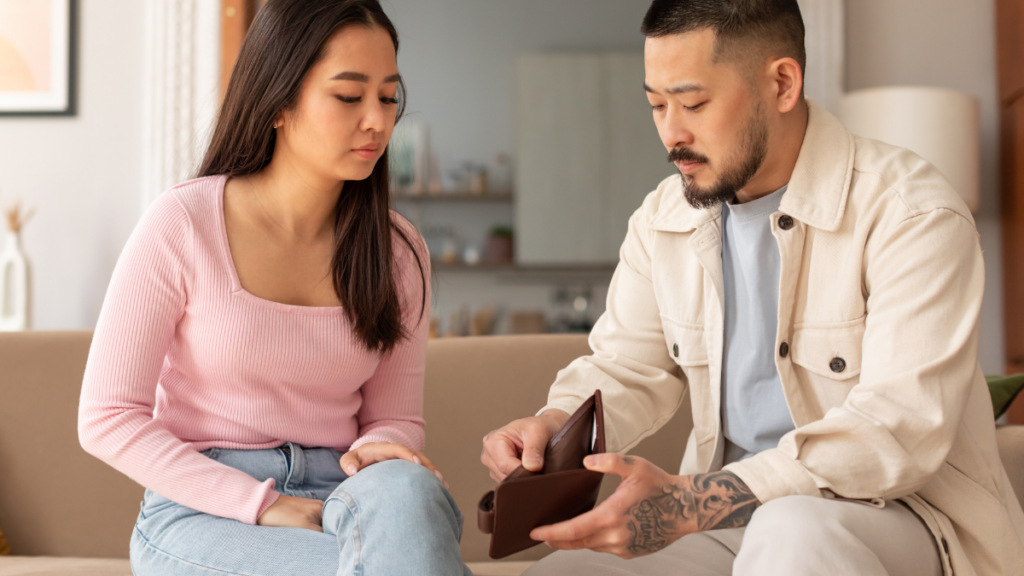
(789, 81)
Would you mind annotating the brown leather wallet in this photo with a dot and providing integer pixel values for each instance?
(563, 489)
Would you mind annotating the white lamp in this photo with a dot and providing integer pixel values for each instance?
(937, 124)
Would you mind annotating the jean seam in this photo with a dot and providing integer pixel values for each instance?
(150, 545)
(305, 468)
(350, 503)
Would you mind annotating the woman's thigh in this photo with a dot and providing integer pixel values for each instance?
(172, 539)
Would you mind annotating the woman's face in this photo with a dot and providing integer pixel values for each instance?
(346, 109)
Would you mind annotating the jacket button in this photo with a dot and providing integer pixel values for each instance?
(785, 222)
(675, 350)
(784, 350)
(837, 364)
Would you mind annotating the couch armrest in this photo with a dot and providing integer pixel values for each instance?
(1011, 451)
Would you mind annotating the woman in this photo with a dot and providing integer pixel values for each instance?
(277, 312)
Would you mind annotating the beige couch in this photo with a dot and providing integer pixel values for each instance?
(65, 512)
(59, 503)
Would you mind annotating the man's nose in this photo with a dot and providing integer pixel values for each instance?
(674, 132)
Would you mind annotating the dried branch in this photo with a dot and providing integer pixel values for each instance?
(16, 219)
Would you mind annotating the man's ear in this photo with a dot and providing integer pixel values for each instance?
(788, 79)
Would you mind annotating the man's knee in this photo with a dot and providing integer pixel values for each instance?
(791, 520)
(573, 563)
(783, 530)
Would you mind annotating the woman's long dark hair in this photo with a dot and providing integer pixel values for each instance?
(286, 39)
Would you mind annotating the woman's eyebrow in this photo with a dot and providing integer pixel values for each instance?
(360, 77)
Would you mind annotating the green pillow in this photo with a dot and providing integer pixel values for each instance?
(1004, 389)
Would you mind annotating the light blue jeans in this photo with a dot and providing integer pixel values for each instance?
(391, 519)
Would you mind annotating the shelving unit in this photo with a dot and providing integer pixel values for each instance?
(513, 267)
(455, 197)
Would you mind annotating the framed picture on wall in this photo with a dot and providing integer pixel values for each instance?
(37, 57)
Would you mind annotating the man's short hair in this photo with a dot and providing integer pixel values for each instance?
(751, 30)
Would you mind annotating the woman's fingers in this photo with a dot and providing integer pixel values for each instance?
(351, 463)
(421, 459)
(354, 461)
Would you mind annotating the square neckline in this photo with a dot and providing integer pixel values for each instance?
(236, 284)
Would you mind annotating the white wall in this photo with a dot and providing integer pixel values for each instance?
(950, 44)
(81, 174)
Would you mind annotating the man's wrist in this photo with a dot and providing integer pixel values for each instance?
(688, 504)
(556, 416)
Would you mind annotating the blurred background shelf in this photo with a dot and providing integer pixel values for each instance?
(525, 268)
(455, 197)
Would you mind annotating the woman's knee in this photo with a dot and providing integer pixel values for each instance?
(395, 494)
(392, 485)
(400, 480)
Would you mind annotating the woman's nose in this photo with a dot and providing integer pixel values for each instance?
(373, 121)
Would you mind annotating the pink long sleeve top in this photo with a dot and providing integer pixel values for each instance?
(184, 359)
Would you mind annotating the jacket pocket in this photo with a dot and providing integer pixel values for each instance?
(829, 350)
(685, 342)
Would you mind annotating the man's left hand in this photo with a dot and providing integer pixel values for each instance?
(651, 509)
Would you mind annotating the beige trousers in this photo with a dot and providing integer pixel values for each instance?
(791, 536)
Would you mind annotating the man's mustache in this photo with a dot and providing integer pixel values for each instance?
(685, 155)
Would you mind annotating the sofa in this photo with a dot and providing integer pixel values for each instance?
(64, 512)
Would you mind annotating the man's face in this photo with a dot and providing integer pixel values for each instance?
(709, 115)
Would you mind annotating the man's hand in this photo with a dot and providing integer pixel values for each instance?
(355, 460)
(526, 438)
(294, 512)
(651, 509)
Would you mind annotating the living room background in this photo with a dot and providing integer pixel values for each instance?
(84, 176)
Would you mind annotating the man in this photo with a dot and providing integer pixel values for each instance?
(818, 296)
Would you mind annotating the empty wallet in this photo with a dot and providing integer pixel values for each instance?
(563, 489)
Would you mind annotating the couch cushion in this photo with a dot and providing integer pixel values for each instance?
(498, 568)
(55, 500)
(44, 566)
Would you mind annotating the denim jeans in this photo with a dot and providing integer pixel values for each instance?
(391, 519)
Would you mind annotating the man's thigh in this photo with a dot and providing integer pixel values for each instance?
(799, 535)
(701, 554)
(792, 536)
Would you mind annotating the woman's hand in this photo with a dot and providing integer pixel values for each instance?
(294, 512)
(354, 461)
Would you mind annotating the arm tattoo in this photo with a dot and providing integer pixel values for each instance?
(694, 504)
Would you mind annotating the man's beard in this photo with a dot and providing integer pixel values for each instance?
(755, 148)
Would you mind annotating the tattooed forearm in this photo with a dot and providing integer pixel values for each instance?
(696, 503)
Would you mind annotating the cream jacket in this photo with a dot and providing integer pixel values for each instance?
(880, 293)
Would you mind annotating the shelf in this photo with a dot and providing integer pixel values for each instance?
(455, 197)
(520, 268)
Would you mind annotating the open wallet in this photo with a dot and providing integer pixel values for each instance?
(563, 489)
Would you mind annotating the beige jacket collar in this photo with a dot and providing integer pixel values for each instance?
(817, 190)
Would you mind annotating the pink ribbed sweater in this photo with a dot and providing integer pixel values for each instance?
(184, 359)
